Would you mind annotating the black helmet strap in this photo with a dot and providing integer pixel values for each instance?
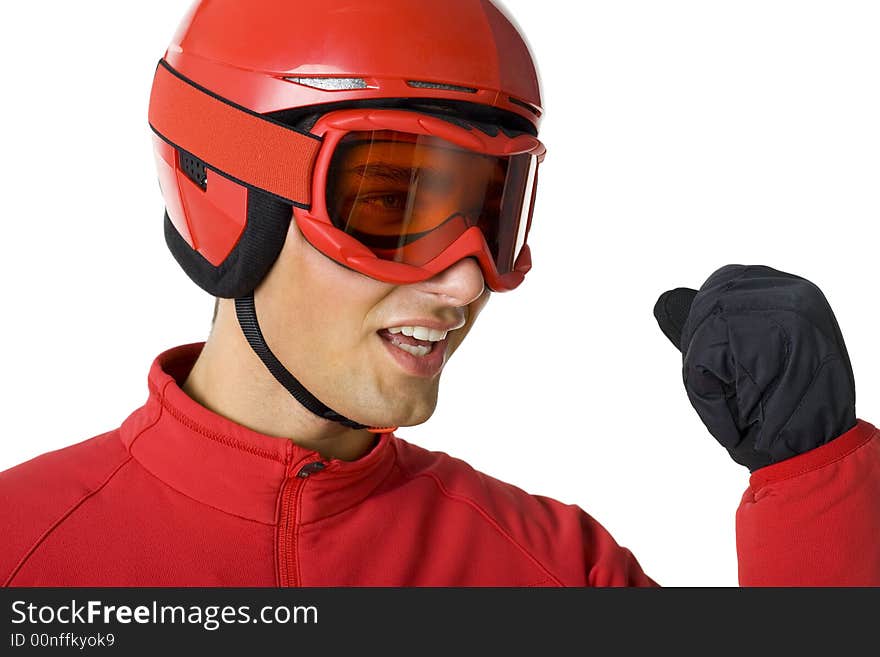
(246, 312)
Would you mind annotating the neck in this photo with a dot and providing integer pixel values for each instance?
(229, 379)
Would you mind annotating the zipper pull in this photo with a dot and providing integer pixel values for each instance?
(310, 468)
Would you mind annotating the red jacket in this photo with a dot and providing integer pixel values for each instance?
(180, 496)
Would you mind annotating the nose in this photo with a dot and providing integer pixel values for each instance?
(459, 284)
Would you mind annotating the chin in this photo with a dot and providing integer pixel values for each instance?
(405, 413)
(414, 420)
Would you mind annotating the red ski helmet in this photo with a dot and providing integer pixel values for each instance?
(244, 81)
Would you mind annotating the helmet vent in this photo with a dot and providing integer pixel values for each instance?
(331, 84)
(439, 85)
(194, 169)
(534, 110)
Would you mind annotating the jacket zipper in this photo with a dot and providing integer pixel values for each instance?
(291, 493)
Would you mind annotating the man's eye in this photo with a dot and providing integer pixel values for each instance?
(385, 201)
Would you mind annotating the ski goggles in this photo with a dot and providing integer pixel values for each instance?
(400, 196)
(396, 195)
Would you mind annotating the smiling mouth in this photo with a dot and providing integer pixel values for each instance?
(407, 341)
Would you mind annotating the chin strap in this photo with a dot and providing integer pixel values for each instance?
(247, 319)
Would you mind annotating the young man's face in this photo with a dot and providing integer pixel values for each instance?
(330, 327)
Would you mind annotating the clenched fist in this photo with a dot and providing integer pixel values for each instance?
(764, 362)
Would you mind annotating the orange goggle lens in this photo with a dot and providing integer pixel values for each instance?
(408, 197)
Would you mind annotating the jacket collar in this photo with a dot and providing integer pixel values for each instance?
(230, 467)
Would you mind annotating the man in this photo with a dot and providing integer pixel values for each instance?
(352, 196)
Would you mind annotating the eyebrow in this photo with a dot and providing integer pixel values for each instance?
(383, 172)
(398, 174)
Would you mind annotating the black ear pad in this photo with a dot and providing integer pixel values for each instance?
(268, 220)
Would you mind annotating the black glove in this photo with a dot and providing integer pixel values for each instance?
(764, 362)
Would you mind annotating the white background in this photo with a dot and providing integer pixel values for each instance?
(682, 136)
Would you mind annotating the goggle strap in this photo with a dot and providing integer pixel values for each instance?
(232, 139)
(247, 319)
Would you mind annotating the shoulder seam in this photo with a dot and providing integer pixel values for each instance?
(487, 517)
(30, 552)
(27, 555)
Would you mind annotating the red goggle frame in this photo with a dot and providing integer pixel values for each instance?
(453, 238)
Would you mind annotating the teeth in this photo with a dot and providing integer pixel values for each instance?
(420, 333)
(415, 351)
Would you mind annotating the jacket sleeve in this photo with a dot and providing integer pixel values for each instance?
(814, 520)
